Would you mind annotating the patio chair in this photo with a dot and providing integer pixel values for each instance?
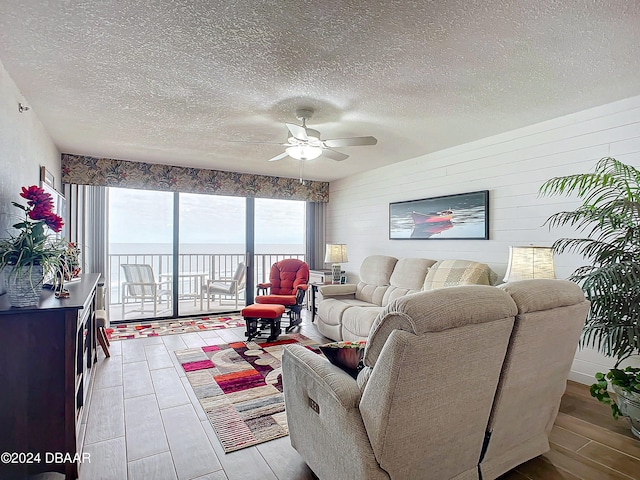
(140, 285)
(224, 287)
(287, 286)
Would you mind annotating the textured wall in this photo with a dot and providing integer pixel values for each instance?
(25, 145)
(512, 166)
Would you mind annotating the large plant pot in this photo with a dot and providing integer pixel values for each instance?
(24, 285)
(629, 405)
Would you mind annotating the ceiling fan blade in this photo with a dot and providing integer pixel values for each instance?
(279, 157)
(297, 131)
(350, 142)
(333, 155)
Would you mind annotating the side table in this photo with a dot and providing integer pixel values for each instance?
(314, 295)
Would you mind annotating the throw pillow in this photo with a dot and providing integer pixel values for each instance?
(346, 355)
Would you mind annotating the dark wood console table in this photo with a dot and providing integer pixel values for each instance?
(46, 358)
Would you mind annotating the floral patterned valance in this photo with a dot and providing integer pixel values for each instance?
(84, 170)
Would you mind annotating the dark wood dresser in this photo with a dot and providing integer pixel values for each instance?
(46, 358)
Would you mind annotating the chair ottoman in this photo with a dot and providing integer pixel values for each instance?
(261, 315)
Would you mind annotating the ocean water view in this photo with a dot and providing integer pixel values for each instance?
(201, 248)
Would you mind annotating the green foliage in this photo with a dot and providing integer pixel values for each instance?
(627, 379)
(610, 217)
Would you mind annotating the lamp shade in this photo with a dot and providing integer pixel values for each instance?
(529, 262)
(336, 253)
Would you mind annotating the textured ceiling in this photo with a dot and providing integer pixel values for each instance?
(181, 82)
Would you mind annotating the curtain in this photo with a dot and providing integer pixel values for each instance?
(316, 219)
(74, 229)
(86, 225)
(97, 212)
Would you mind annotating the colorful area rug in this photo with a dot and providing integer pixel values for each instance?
(169, 327)
(239, 386)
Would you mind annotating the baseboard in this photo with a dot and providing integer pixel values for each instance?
(581, 378)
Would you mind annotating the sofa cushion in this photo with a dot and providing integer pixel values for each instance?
(375, 277)
(331, 310)
(373, 294)
(377, 269)
(453, 273)
(546, 295)
(357, 322)
(407, 277)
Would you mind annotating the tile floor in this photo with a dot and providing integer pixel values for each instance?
(144, 421)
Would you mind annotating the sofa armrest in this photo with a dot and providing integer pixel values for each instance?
(337, 290)
(332, 380)
(325, 425)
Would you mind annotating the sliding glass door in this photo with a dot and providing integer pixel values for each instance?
(182, 254)
(279, 233)
(140, 225)
(212, 263)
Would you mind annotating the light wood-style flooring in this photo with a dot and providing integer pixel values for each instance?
(145, 423)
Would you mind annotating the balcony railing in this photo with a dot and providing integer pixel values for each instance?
(213, 265)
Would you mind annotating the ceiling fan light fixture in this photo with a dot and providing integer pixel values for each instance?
(305, 143)
(304, 152)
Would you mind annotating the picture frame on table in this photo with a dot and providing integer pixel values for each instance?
(46, 177)
(47, 183)
(463, 216)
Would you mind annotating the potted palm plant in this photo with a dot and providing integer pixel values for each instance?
(609, 215)
(27, 256)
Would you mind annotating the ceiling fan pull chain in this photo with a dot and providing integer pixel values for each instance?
(302, 181)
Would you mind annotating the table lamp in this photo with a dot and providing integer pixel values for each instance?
(336, 254)
(529, 262)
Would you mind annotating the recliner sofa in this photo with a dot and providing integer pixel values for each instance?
(457, 383)
(347, 312)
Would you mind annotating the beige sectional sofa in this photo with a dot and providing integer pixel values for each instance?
(347, 312)
(457, 383)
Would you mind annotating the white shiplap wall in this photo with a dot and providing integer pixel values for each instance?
(512, 166)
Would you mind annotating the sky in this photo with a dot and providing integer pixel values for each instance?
(144, 216)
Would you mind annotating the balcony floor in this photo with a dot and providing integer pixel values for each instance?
(185, 308)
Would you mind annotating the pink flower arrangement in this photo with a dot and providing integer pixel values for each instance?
(33, 245)
(41, 205)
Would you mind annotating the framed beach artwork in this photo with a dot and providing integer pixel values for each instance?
(464, 216)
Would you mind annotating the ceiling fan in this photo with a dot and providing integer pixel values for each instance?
(305, 144)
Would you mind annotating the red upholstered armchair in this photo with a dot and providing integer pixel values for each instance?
(287, 285)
